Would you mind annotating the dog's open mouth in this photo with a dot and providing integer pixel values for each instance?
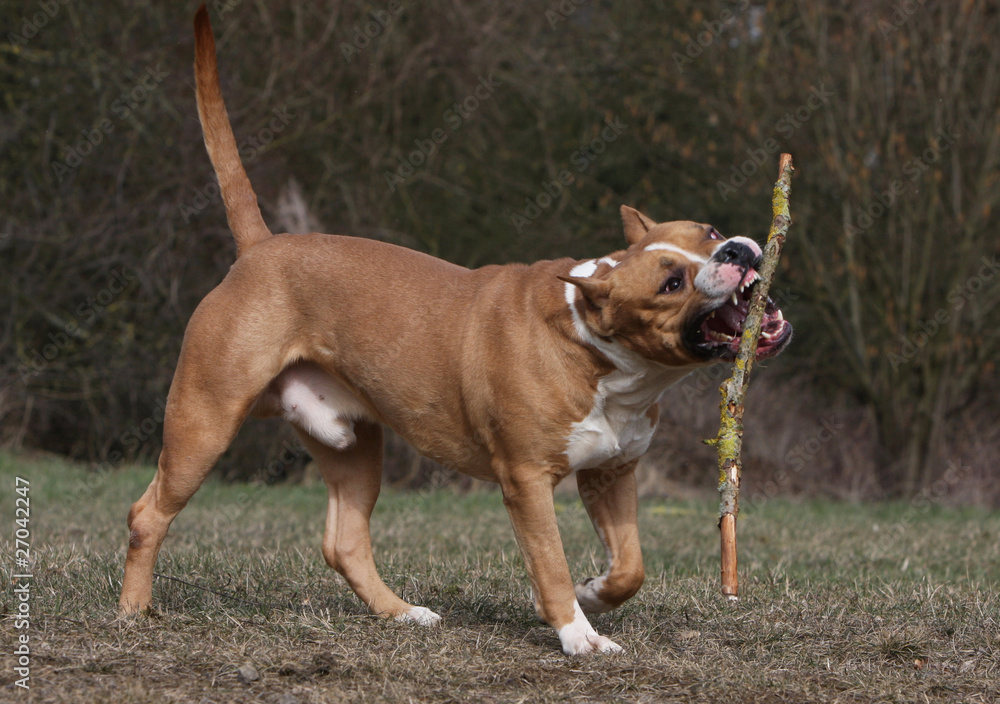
(719, 333)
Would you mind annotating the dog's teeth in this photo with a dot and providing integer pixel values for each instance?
(716, 336)
(779, 316)
(734, 299)
(766, 335)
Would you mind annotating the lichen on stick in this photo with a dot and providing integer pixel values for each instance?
(729, 442)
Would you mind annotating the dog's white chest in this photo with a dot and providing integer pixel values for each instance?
(618, 428)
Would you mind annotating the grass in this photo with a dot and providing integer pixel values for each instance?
(840, 603)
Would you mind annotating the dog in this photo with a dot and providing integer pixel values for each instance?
(516, 374)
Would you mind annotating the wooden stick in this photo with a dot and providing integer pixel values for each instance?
(729, 442)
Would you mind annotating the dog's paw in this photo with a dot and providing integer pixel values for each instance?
(131, 614)
(420, 616)
(588, 644)
(605, 645)
(579, 638)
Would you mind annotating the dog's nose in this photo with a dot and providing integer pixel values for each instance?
(735, 253)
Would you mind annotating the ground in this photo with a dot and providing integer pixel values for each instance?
(840, 602)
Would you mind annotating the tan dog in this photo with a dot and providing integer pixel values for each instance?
(515, 374)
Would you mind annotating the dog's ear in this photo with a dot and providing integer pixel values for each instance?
(636, 224)
(595, 293)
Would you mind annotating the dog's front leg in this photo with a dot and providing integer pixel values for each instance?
(609, 495)
(527, 494)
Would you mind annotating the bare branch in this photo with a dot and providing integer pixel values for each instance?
(729, 442)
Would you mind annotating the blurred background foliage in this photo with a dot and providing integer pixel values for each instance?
(493, 132)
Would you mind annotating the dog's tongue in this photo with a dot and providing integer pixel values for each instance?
(728, 319)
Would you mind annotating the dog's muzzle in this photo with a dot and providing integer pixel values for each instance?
(728, 280)
(737, 253)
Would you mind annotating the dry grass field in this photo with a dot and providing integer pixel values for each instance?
(841, 603)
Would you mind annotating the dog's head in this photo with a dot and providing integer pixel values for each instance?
(679, 295)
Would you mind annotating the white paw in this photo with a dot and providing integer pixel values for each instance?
(579, 638)
(586, 645)
(605, 645)
(420, 616)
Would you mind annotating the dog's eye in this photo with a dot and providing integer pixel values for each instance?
(672, 284)
(713, 234)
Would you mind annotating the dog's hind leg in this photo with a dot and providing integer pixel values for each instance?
(218, 377)
(353, 479)
(197, 430)
(609, 495)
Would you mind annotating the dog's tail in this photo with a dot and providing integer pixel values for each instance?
(242, 210)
